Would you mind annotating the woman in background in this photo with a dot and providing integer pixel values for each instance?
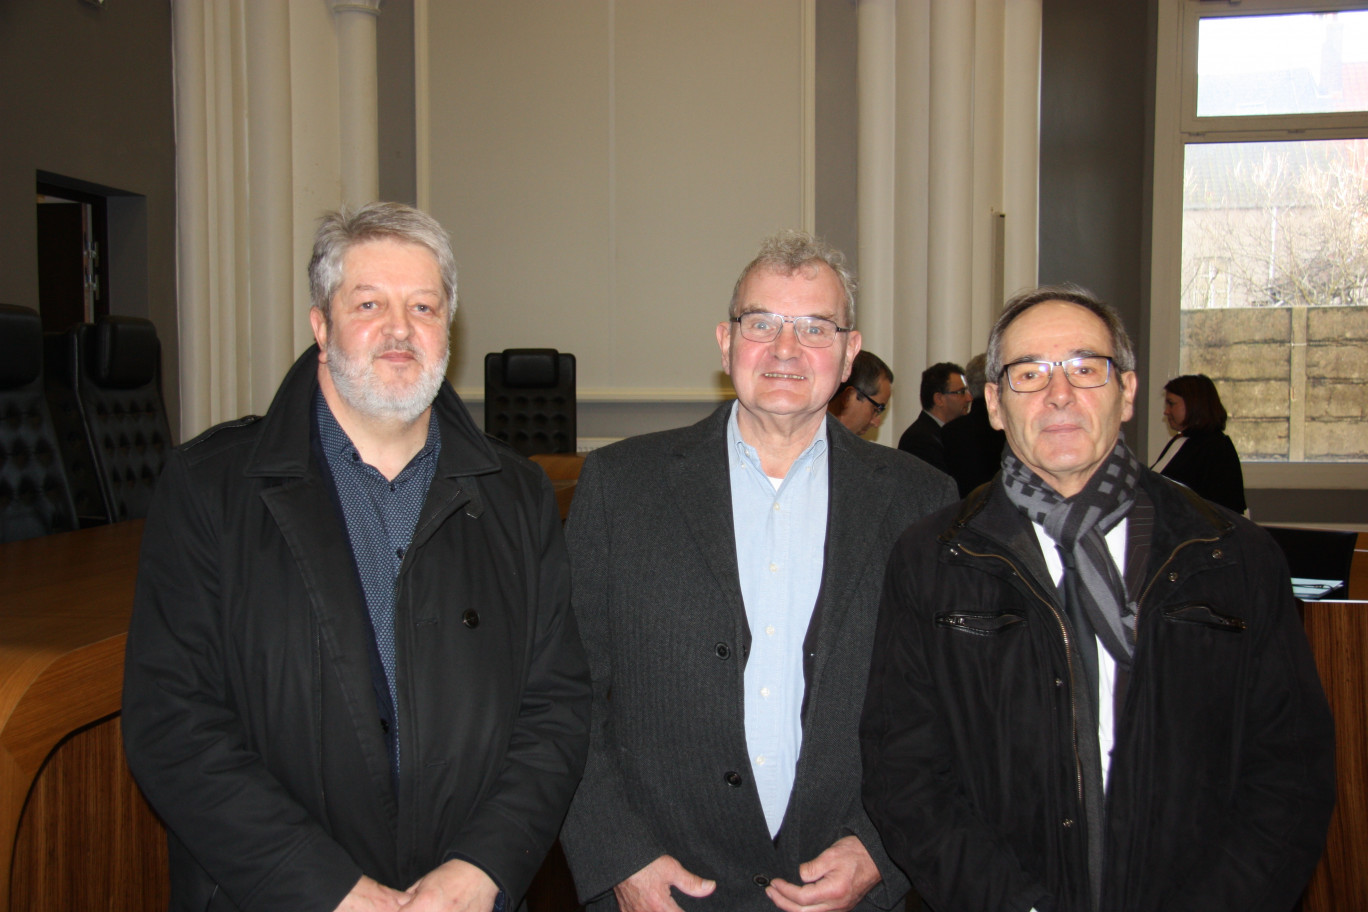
(1200, 455)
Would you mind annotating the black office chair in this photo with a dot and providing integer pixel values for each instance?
(530, 399)
(108, 388)
(34, 496)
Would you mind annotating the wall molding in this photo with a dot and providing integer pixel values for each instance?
(627, 394)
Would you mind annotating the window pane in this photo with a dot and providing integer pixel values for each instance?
(1275, 293)
(1304, 63)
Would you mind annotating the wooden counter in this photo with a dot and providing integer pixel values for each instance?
(1338, 634)
(67, 801)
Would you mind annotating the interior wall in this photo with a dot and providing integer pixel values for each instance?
(605, 170)
(88, 95)
(836, 156)
(394, 63)
(1094, 156)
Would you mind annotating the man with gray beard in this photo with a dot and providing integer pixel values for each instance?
(352, 678)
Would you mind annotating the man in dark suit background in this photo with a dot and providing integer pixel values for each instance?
(973, 447)
(945, 396)
(726, 578)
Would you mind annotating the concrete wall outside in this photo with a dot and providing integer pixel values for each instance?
(1283, 407)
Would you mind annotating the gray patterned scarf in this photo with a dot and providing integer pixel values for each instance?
(1078, 525)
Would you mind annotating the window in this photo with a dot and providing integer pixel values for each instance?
(1267, 175)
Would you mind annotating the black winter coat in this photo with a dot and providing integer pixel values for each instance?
(249, 717)
(1222, 775)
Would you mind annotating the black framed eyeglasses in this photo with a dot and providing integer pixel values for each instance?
(878, 406)
(1088, 372)
(814, 332)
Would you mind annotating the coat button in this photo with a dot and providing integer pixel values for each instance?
(1173, 576)
(471, 619)
(1217, 554)
(723, 650)
(1059, 682)
(1068, 822)
(732, 778)
(760, 880)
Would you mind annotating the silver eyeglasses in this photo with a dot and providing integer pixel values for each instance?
(1088, 372)
(814, 332)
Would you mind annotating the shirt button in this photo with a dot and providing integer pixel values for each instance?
(764, 692)
(774, 568)
(399, 553)
(776, 507)
(769, 631)
(760, 760)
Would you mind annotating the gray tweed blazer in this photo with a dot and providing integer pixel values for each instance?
(658, 600)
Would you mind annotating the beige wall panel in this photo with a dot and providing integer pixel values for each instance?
(605, 169)
(519, 113)
(709, 161)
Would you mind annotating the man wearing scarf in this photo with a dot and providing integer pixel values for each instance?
(1090, 688)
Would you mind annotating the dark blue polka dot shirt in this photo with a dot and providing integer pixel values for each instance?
(381, 516)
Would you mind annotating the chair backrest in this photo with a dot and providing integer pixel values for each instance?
(530, 399)
(112, 371)
(35, 498)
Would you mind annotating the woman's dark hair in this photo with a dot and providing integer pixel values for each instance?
(1200, 400)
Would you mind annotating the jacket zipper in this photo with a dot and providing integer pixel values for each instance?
(1068, 656)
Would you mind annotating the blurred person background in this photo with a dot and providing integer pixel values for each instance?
(1200, 455)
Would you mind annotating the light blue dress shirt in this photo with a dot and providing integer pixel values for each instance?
(780, 539)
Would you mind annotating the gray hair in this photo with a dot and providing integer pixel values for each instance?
(1123, 352)
(339, 231)
(789, 251)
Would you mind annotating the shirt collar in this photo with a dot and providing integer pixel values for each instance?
(336, 442)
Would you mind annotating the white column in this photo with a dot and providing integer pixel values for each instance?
(911, 223)
(270, 190)
(876, 75)
(950, 182)
(359, 92)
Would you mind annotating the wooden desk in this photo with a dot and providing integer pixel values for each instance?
(1338, 633)
(74, 832)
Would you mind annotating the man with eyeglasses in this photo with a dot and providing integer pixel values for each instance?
(725, 578)
(862, 399)
(945, 396)
(1090, 688)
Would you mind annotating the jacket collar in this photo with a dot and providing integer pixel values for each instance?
(1179, 516)
(283, 450)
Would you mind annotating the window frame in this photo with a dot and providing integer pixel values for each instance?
(1177, 125)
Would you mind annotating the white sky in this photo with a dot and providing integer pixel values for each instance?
(1251, 44)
